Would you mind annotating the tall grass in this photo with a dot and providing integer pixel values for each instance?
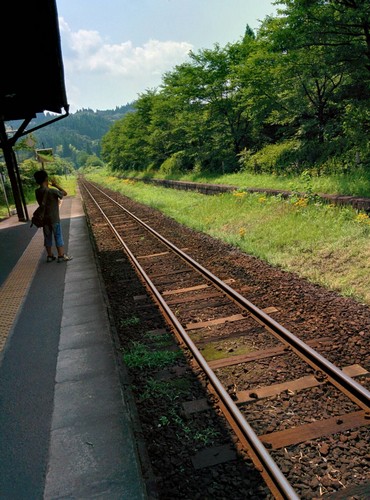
(326, 244)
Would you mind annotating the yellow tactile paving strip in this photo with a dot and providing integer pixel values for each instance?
(15, 288)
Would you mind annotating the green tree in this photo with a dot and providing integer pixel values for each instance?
(94, 161)
(207, 89)
(341, 26)
(125, 146)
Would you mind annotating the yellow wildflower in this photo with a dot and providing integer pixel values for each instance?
(363, 218)
(302, 202)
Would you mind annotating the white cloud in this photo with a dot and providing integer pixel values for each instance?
(86, 53)
(124, 59)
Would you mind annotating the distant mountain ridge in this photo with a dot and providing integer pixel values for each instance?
(82, 130)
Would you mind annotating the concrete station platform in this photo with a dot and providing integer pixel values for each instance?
(66, 426)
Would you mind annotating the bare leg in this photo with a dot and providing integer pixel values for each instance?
(60, 251)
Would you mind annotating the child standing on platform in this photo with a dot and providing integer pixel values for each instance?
(52, 228)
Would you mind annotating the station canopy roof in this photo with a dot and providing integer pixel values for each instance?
(32, 75)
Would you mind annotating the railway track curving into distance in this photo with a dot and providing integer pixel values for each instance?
(278, 391)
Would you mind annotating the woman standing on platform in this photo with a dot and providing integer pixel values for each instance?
(52, 227)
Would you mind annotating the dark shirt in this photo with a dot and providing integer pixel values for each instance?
(51, 204)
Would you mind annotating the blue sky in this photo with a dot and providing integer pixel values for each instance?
(115, 49)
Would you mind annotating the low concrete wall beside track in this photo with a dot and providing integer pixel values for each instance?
(357, 203)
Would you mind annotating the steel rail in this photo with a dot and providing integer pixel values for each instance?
(355, 391)
(281, 487)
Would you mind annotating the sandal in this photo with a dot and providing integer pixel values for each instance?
(63, 258)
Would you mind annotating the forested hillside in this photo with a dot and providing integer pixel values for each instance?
(77, 135)
(293, 96)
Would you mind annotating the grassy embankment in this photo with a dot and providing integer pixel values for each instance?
(326, 244)
(356, 184)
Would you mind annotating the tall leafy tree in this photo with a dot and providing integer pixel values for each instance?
(209, 86)
(342, 26)
(125, 146)
(321, 48)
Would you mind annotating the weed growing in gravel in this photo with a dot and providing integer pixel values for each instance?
(160, 339)
(163, 421)
(207, 437)
(202, 437)
(133, 321)
(139, 356)
(170, 390)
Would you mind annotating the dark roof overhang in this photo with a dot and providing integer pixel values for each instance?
(32, 75)
(31, 78)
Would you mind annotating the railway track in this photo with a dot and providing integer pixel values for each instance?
(285, 409)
